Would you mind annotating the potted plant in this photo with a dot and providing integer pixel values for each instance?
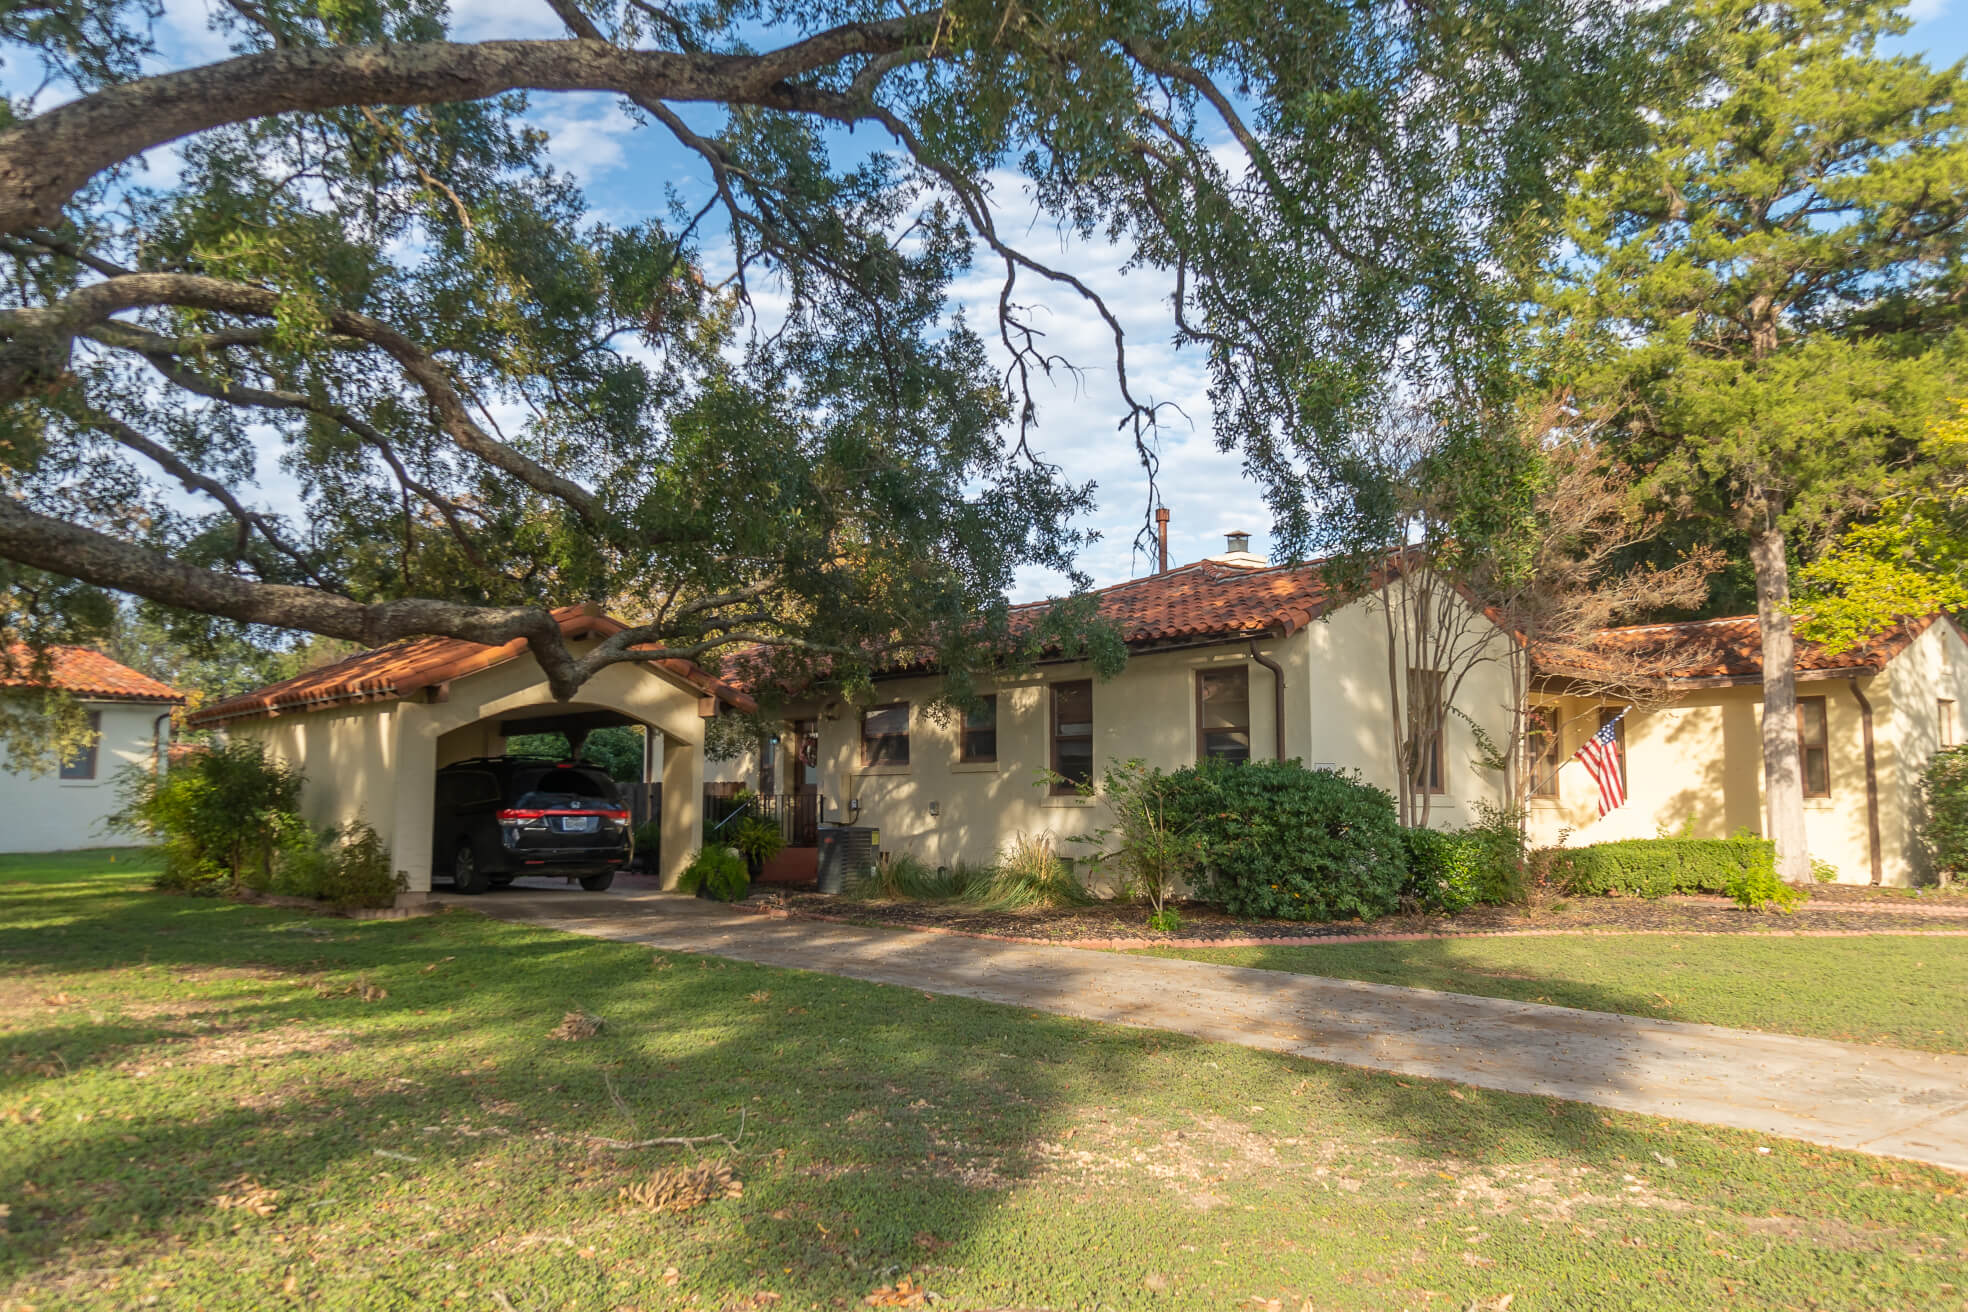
(758, 840)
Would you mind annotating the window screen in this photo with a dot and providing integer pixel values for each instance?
(1072, 734)
(1223, 714)
(885, 735)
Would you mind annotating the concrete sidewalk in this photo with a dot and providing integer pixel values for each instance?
(1889, 1101)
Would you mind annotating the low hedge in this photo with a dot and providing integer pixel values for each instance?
(1277, 840)
(1656, 867)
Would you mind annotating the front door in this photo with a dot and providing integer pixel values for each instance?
(806, 783)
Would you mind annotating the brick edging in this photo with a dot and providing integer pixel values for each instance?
(1322, 940)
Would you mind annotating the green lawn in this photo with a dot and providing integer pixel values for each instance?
(428, 1145)
(1908, 990)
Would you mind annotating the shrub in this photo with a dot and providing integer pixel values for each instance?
(1946, 786)
(1453, 870)
(719, 872)
(1756, 887)
(345, 867)
(220, 814)
(1149, 857)
(648, 840)
(1279, 840)
(1444, 869)
(1656, 867)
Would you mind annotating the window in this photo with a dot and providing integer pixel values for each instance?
(1541, 751)
(885, 734)
(979, 745)
(1223, 714)
(1072, 734)
(1614, 715)
(1814, 746)
(1425, 729)
(769, 766)
(82, 765)
(1947, 722)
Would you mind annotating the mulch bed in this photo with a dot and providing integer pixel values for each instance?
(1127, 926)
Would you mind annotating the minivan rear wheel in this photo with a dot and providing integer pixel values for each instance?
(466, 877)
(598, 883)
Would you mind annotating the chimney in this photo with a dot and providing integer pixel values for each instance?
(1161, 532)
(1237, 553)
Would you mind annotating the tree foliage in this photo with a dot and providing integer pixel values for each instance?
(1766, 295)
(494, 400)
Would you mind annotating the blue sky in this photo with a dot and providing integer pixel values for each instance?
(625, 170)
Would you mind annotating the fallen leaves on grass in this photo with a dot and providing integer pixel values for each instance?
(680, 1188)
(248, 1195)
(576, 1025)
(903, 1293)
(762, 995)
(361, 988)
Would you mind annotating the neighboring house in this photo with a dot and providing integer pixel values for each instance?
(1869, 721)
(369, 732)
(69, 807)
(1227, 657)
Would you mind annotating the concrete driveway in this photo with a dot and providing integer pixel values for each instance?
(1889, 1101)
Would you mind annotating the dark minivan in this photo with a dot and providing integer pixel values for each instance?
(500, 817)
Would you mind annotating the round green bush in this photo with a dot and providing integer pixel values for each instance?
(1284, 842)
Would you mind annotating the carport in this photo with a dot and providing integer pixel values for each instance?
(370, 732)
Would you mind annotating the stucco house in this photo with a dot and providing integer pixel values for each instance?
(69, 807)
(1869, 721)
(369, 732)
(1232, 657)
(1228, 657)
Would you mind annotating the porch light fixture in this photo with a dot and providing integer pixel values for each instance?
(936, 808)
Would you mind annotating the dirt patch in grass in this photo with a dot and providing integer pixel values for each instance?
(1108, 923)
(237, 1044)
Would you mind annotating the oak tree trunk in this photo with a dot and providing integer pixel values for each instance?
(1783, 765)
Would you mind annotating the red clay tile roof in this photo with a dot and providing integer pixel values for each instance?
(1210, 600)
(1720, 649)
(397, 671)
(90, 674)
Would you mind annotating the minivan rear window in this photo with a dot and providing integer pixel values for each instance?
(559, 789)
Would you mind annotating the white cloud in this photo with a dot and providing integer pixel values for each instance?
(507, 20)
(1926, 11)
(587, 135)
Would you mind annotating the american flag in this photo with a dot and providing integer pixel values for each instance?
(1601, 758)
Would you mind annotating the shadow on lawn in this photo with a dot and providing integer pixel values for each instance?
(880, 1125)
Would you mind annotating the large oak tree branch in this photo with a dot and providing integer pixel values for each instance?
(47, 159)
(39, 338)
(61, 547)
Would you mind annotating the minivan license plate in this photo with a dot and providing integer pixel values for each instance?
(577, 824)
